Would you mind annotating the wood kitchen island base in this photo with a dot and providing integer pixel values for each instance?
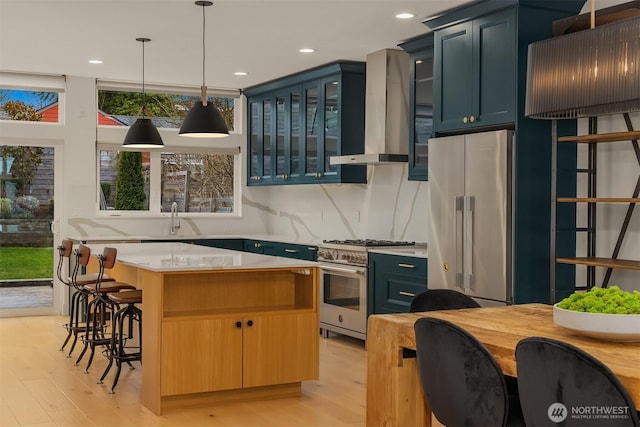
(244, 328)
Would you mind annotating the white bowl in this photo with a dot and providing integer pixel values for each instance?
(612, 327)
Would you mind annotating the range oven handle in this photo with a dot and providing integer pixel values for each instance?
(361, 271)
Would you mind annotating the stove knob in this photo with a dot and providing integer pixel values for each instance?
(362, 259)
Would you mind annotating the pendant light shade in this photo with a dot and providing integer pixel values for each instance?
(143, 133)
(204, 120)
(584, 74)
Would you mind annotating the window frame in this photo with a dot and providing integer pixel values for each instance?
(111, 137)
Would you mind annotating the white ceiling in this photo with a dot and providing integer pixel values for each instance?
(261, 37)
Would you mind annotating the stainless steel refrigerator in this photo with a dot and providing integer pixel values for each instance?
(470, 217)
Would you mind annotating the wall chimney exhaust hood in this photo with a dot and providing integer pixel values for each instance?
(386, 110)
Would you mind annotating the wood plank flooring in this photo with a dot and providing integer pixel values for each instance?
(39, 386)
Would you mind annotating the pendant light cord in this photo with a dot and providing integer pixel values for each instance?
(203, 41)
(144, 95)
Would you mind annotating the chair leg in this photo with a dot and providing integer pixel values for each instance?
(90, 305)
(69, 325)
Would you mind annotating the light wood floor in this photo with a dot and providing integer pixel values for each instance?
(39, 386)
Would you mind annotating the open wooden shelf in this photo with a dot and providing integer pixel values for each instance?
(603, 137)
(598, 200)
(602, 262)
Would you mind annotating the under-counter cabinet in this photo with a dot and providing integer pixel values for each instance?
(480, 59)
(420, 50)
(394, 281)
(287, 250)
(296, 123)
(236, 351)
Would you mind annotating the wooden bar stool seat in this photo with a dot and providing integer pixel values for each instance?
(119, 350)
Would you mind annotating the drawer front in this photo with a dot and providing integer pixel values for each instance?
(304, 252)
(399, 291)
(410, 266)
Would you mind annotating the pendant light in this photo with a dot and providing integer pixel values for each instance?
(143, 133)
(204, 120)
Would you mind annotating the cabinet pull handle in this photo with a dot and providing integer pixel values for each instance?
(472, 119)
(291, 251)
(406, 265)
(312, 248)
(465, 119)
(257, 245)
(238, 324)
(407, 294)
(250, 323)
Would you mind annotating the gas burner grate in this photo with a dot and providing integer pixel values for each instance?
(370, 242)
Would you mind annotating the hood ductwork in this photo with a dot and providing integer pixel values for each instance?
(386, 110)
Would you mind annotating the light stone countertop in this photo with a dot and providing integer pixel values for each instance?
(170, 257)
(169, 237)
(410, 251)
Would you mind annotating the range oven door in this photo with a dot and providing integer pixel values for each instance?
(343, 299)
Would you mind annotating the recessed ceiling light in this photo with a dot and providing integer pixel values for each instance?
(240, 73)
(306, 50)
(405, 15)
(95, 61)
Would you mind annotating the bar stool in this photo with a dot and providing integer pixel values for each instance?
(118, 349)
(99, 308)
(76, 282)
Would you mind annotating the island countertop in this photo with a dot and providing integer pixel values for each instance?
(170, 256)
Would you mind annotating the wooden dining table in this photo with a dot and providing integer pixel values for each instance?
(394, 390)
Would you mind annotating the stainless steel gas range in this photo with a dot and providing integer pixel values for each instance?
(344, 284)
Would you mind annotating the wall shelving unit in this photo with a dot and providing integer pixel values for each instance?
(592, 260)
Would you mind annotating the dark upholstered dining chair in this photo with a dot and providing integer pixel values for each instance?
(441, 299)
(462, 382)
(554, 377)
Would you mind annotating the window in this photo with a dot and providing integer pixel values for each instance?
(29, 105)
(120, 105)
(197, 181)
(201, 176)
(31, 98)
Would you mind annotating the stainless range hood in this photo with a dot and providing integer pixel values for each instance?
(386, 110)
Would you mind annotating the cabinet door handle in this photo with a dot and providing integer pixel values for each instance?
(472, 119)
(238, 324)
(465, 119)
(257, 245)
(250, 323)
(407, 294)
(406, 265)
(312, 248)
(291, 251)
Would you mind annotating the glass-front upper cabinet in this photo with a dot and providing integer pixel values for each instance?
(331, 124)
(297, 123)
(312, 132)
(420, 51)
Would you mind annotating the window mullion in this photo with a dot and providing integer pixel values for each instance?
(155, 180)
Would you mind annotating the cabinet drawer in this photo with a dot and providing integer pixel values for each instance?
(297, 251)
(409, 266)
(399, 291)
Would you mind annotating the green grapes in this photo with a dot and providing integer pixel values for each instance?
(611, 300)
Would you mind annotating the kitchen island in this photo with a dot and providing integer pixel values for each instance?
(221, 325)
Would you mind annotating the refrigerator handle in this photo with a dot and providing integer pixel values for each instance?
(470, 218)
(458, 240)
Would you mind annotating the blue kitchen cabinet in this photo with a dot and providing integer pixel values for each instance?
(394, 280)
(480, 57)
(480, 53)
(297, 123)
(287, 250)
(420, 50)
(233, 244)
(475, 73)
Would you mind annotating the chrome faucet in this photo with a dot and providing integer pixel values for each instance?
(174, 216)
